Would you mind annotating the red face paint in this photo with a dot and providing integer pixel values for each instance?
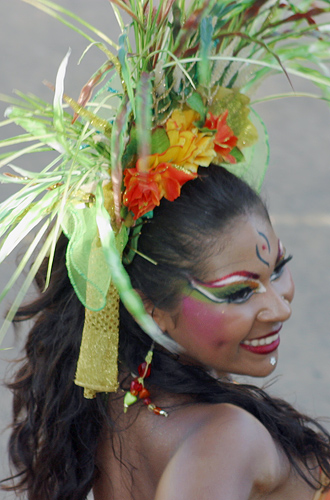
(205, 322)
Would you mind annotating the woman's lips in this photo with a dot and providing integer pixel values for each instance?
(263, 345)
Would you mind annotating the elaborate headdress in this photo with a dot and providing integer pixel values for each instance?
(176, 98)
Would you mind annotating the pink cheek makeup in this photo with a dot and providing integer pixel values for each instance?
(205, 322)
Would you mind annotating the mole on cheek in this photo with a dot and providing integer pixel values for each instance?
(206, 322)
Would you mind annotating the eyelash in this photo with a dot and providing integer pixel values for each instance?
(240, 296)
(243, 295)
(278, 271)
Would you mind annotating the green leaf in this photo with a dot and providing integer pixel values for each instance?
(38, 128)
(237, 154)
(196, 103)
(159, 141)
(125, 70)
(206, 42)
(32, 218)
(58, 120)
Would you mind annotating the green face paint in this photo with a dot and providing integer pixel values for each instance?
(236, 288)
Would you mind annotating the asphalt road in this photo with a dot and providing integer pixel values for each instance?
(296, 188)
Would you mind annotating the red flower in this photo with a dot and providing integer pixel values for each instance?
(144, 190)
(142, 193)
(224, 140)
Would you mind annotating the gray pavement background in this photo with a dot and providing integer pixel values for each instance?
(296, 188)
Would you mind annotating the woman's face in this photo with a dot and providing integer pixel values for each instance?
(231, 321)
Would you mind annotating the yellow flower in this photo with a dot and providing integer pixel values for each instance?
(195, 149)
(189, 148)
(183, 120)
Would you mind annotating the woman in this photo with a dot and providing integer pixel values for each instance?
(208, 267)
(220, 440)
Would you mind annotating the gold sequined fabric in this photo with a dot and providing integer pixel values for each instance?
(97, 369)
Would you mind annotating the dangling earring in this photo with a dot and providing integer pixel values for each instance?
(137, 389)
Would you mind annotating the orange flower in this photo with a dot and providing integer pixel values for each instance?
(144, 190)
(224, 140)
(162, 174)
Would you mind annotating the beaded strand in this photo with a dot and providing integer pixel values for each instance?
(138, 391)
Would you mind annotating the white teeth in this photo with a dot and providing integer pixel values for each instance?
(263, 341)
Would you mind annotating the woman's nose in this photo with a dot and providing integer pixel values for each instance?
(277, 300)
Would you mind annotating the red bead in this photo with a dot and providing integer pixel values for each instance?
(147, 401)
(144, 393)
(144, 370)
(159, 411)
(135, 387)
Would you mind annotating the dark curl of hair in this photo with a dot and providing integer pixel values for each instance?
(55, 430)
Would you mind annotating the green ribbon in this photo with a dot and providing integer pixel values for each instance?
(86, 264)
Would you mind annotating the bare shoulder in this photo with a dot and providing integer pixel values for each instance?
(229, 455)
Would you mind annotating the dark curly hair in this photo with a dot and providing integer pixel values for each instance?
(50, 414)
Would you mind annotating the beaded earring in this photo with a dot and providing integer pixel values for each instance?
(138, 391)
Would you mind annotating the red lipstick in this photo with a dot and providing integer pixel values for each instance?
(263, 345)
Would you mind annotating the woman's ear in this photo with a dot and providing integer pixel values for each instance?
(148, 305)
(163, 318)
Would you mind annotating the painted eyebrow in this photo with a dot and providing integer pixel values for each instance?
(229, 278)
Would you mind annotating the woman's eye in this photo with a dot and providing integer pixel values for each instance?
(240, 296)
(278, 271)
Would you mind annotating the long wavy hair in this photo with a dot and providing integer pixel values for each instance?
(55, 431)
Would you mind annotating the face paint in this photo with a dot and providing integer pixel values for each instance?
(214, 319)
(264, 248)
(281, 261)
(204, 322)
(266, 239)
(236, 287)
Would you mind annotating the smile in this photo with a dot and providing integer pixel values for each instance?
(262, 341)
(263, 345)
